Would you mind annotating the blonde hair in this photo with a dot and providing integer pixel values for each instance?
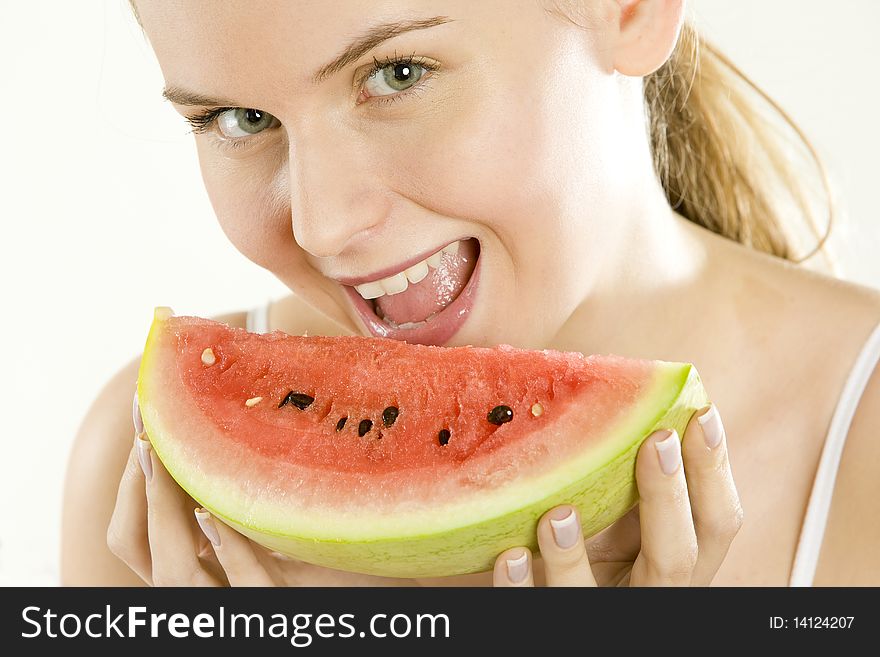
(728, 157)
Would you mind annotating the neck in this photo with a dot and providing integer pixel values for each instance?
(650, 282)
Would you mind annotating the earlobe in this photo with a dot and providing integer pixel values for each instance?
(647, 33)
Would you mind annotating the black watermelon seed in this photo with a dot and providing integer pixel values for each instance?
(443, 436)
(298, 399)
(500, 415)
(364, 427)
(389, 415)
(341, 423)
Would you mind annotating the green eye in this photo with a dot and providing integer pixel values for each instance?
(393, 78)
(243, 122)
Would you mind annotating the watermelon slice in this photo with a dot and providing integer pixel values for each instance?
(381, 457)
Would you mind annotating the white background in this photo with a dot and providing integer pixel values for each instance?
(104, 216)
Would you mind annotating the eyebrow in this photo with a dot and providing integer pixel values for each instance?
(363, 44)
(372, 38)
(182, 96)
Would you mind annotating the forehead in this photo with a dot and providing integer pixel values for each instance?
(206, 44)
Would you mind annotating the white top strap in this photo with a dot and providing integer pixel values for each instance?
(816, 517)
(258, 318)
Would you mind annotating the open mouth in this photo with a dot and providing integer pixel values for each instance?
(425, 304)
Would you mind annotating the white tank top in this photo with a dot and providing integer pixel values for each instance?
(809, 546)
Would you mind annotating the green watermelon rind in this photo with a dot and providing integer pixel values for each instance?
(463, 537)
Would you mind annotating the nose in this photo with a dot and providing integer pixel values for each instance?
(334, 195)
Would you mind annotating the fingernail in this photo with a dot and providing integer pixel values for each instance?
(143, 452)
(669, 452)
(206, 523)
(136, 415)
(518, 569)
(713, 430)
(565, 530)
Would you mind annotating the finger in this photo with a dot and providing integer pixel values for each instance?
(715, 502)
(208, 560)
(173, 544)
(234, 552)
(282, 569)
(127, 532)
(513, 568)
(619, 542)
(669, 543)
(561, 540)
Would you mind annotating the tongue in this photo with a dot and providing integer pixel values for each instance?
(434, 292)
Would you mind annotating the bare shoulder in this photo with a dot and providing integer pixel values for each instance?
(787, 340)
(97, 461)
(810, 322)
(849, 549)
(838, 317)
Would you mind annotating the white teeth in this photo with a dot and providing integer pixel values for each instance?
(434, 260)
(417, 272)
(400, 281)
(395, 284)
(370, 290)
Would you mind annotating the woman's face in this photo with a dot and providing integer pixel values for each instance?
(496, 123)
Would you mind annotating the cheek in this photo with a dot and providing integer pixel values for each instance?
(531, 166)
(249, 197)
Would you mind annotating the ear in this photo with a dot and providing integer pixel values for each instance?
(647, 31)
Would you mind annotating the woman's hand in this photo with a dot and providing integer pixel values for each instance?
(677, 535)
(161, 534)
(154, 530)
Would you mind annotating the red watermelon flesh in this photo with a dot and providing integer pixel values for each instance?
(442, 489)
